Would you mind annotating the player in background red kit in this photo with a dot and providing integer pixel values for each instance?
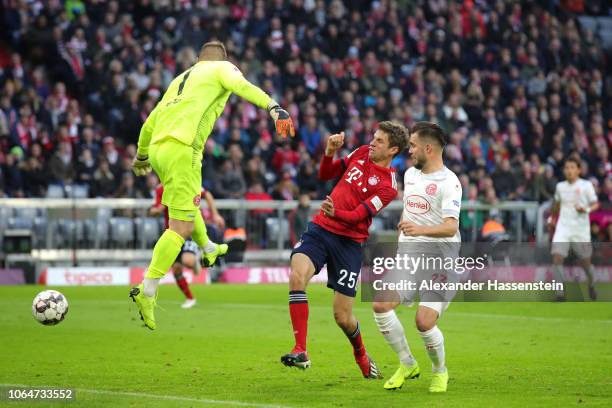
(189, 255)
(337, 234)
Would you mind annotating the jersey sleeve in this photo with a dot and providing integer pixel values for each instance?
(232, 79)
(451, 199)
(379, 200)
(146, 132)
(591, 195)
(557, 195)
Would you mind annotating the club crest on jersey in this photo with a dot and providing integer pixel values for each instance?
(373, 180)
(416, 204)
(431, 189)
(196, 200)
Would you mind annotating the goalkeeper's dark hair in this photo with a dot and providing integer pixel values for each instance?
(213, 51)
(430, 130)
(397, 134)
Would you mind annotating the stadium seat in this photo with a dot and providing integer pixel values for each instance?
(96, 232)
(588, 23)
(55, 191)
(122, 232)
(77, 191)
(20, 222)
(273, 228)
(147, 231)
(27, 212)
(606, 39)
(39, 228)
(605, 23)
(67, 230)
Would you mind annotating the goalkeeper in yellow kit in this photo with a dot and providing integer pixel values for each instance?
(172, 141)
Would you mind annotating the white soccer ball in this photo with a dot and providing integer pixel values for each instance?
(49, 307)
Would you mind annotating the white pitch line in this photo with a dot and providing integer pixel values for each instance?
(155, 396)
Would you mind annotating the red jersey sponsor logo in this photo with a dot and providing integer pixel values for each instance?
(431, 189)
(416, 204)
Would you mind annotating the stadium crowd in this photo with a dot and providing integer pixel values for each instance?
(518, 86)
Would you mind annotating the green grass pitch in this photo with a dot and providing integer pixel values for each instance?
(226, 350)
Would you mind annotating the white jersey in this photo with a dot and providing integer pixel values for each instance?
(580, 193)
(428, 199)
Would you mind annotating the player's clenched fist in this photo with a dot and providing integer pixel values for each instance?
(141, 165)
(334, 142)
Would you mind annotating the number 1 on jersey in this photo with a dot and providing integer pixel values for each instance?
(182, 85)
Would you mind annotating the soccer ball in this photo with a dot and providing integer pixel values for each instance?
(49, 307)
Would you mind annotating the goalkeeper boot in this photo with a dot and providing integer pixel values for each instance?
(368, 367)
(297, 359)
(145, 304)
(439, 382)
(402, 374)
(208, 259)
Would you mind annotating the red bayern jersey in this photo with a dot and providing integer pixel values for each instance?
(159, 192)
(362, 192)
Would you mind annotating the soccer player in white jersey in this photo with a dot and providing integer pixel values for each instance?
(574, 199)
(432, 200)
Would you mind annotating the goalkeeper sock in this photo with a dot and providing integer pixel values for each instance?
(150, 286)
(165, 252)
(393, 332)
(298, 310)
(200, 235)
(434, 344)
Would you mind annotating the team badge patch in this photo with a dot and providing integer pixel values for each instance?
(431, 189)
(196, 200)
(373, 180)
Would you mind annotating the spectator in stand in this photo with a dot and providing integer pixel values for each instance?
(500, 77)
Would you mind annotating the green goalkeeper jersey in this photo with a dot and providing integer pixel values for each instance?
(193, 102)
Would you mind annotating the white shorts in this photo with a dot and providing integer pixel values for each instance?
(580, 243)
(435, 299)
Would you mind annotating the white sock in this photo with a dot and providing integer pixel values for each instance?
(434, 344)
(210, 247)
(558, 276)
(393, 332)
(150, 286)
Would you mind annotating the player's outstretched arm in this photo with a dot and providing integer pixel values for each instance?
(141, 165)
(232, 79)
(331, 168)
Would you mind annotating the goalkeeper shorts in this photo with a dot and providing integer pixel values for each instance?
(179, 168)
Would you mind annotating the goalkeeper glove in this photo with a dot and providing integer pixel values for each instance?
(141, 165)
(282, 121)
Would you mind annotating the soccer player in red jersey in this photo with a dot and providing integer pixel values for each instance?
(189, 254)
(336, 236)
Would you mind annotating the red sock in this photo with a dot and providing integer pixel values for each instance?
(355, 339)
(298, 309)
(184, 286)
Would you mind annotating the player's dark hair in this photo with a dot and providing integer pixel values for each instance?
(397, 134)
(573, 160)
(213, 48)
(430, 130)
